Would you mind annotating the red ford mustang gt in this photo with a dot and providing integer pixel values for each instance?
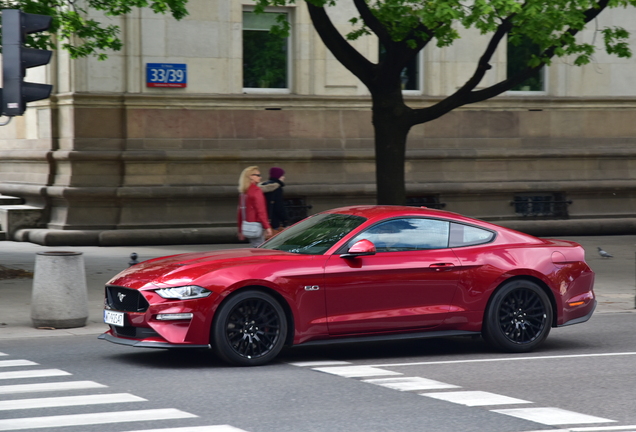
(351, 274)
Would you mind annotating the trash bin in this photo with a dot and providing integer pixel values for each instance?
(59, 298)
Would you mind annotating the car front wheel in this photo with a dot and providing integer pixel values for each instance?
(518, 318)
(249, 329)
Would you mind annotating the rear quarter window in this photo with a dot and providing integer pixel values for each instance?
(468, 235)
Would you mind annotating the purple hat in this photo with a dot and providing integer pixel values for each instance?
(276, 173)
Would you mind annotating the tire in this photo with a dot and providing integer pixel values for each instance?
(518, 317)
(249, 329)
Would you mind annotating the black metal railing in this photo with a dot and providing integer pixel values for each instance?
(296, 209)
(546, 206)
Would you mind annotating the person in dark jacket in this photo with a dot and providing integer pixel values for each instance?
(275, 198)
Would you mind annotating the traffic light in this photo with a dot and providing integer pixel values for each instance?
(16, 59)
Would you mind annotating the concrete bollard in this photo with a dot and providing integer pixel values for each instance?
(60, 297)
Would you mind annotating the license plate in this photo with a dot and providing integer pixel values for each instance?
(114, 318)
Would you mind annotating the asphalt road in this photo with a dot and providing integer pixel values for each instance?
(581, 379)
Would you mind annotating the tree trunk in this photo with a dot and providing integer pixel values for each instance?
(391, 131)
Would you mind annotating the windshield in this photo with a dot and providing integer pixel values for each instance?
(314, 235)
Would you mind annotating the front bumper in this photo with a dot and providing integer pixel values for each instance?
(152, 321)
(108, 336)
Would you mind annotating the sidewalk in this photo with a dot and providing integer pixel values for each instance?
(615, 278)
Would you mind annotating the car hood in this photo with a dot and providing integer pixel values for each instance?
(183, 269)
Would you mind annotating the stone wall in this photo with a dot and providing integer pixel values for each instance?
(109, 160)
(141, 169)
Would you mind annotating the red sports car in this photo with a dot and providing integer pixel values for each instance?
(352, 274)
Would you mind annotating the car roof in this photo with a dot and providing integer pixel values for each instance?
(377, 212)
(384, 211)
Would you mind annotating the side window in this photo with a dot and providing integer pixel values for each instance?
(467, 235)
(518, 56)
(407, 234)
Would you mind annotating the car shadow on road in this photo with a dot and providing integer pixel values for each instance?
(170, 358)
(446, 349)
(420, 348)
(437, 349)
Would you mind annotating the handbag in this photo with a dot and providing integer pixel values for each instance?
(249, 229)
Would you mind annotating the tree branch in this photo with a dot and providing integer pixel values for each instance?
(372, 22)
(507, 84)
(339, 46)
(458, 98)
(465, 95)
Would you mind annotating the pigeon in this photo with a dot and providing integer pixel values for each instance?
(604, 254)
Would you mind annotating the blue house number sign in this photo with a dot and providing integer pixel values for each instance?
(166, 75)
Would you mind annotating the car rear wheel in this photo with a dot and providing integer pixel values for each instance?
(249, 329)
(518, 318)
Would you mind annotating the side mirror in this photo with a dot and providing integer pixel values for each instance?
(360, 248)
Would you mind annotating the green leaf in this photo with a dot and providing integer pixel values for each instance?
(81, 35)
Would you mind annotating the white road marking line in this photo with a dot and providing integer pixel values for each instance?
(214, 428)
(13, 363)
(552, 416)
(66, 401)
(356, 371)
(629, 428)
(603, 428)
(3, 354)
(92, 419)
(54, 386)
(475, 398)
(410, 383)
(504, 359)
(33, 374)
(552, 430)
(320, 363)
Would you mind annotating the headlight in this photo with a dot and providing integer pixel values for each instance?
(183, 293)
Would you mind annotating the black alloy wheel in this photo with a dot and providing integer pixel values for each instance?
(249, 329)
(518, 318)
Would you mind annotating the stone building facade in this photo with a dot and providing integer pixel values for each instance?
(108, 160)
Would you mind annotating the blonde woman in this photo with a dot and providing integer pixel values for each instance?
(252, 204)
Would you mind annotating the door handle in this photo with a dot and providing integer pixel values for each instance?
(442, 266)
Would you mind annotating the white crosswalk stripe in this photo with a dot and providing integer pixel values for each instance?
(356, 371)
(544, 415)
(475, 398)
(45, 387)
(215, 428)
(552, 416)
(410, 383)
(65, 401)
(32, 374)
(26, 423)
(83, 419)
(320, 363)
(14, 363)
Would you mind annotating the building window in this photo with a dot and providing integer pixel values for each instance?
(550, 205)
(265, 54)
(410, 76)
(518, 56)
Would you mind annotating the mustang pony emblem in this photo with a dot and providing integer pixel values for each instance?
(121, 296)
